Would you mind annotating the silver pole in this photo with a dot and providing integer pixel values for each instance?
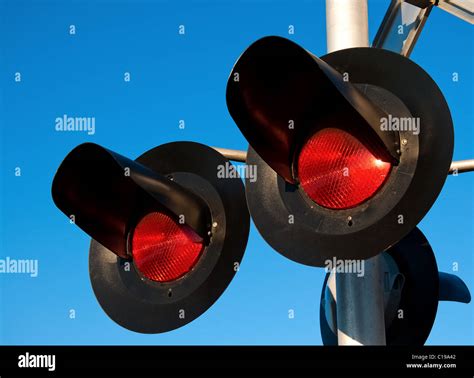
(346, 24)
(360, 305)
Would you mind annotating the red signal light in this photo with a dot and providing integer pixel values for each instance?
(337, 171)
(164, 250)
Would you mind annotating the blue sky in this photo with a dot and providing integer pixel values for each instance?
(176, 77)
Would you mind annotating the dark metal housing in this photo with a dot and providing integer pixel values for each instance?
(293, 224)
(105, 192)
(279, 94)
(186, 179)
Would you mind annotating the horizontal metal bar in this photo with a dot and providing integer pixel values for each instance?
(459, 166)
(235, 155)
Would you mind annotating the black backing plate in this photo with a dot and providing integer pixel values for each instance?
(419, 299)
(141, 305)
(311, 244)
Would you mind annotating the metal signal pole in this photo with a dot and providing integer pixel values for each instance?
(360, 302)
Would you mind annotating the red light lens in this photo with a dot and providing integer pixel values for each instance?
(337, 171)
(164, 250)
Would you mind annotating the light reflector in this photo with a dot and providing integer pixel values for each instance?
(337, 171)
(164, 250)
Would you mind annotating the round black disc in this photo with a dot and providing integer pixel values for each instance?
(142, 305)
(419, 298)
(309, 234)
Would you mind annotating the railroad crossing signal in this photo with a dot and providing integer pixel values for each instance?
(349, 159)
(349, 156)
(168, 234)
